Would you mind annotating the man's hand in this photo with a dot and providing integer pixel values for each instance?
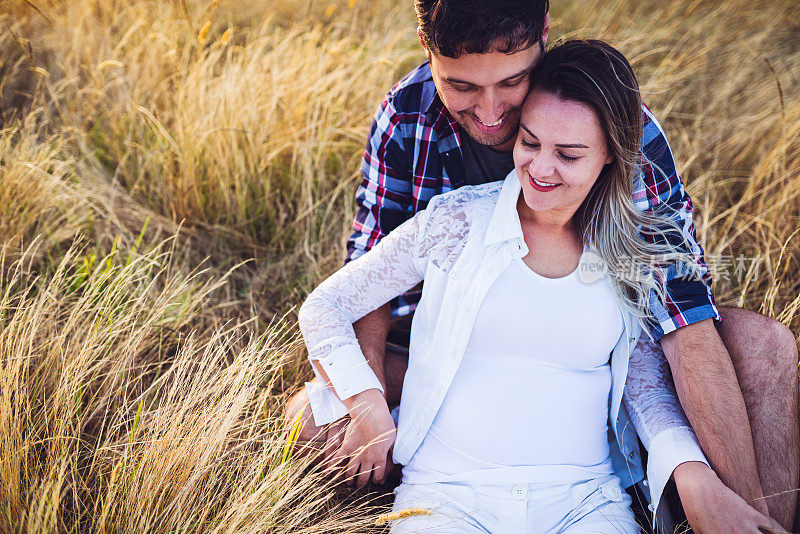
(712, 507)
(368, 437)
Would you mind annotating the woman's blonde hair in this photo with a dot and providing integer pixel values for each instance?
(636, 246)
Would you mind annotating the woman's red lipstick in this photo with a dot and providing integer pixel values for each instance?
(541, 188)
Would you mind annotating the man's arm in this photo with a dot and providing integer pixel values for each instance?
(710, 395)
(371, 331)
(383, 199)
(701, 367)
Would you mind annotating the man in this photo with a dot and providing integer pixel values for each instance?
(452, 122)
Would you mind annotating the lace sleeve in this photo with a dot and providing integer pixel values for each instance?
(435, 235)
(361, 286)
(657, 416)
(650, 395)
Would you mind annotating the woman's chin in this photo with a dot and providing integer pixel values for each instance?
(535, 202)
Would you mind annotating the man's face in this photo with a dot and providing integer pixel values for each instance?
(484, 92)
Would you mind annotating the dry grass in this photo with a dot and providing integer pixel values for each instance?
(165, 175)
(122, 412)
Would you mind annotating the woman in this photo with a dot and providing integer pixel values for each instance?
(515, 325)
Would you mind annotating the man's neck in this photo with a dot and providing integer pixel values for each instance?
(505, 148)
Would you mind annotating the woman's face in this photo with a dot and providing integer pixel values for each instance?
(559, 153)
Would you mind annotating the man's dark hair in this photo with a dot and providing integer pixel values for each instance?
(455, 27)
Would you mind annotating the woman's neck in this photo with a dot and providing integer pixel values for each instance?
(552, 222)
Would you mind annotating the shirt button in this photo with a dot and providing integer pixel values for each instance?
(519, 491)
(644, 483)
(651, 507)
(612, 492)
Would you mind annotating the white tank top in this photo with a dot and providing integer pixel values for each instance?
(529, 402)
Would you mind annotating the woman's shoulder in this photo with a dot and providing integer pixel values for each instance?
(468, 199)
(455, 219)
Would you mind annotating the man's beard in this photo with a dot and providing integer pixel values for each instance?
(509, 131)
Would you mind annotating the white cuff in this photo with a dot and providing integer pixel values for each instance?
(349, 371)
(325, 405)
(668, 450)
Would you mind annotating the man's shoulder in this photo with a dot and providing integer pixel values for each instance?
(656, 149)
(651, 128)
(414, 93)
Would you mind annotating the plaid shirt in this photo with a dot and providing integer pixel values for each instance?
(414, 152)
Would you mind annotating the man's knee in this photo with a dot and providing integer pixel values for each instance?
(763, 350)
(297, 408)
(785, 345)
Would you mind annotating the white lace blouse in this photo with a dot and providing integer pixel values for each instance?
(458, 245)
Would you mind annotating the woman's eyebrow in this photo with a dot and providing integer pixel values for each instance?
(559, 145)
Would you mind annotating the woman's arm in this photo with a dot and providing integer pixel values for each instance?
(326, 321)
(326, 317)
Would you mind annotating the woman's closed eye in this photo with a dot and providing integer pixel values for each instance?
(535, 146)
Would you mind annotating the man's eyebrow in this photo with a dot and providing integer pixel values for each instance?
(573, 145)
(524, 71)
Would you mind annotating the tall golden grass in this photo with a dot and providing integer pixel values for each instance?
(175, 177)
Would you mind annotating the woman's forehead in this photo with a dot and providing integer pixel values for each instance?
(545, 114)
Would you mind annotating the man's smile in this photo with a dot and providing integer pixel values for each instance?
(489, 128)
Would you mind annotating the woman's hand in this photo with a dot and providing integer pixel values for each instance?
(368, 438)
(712, 507)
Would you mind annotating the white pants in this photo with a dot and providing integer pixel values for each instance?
(598, 505)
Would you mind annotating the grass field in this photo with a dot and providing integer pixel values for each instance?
(175, 178)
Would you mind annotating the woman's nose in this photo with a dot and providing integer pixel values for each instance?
(540, 167)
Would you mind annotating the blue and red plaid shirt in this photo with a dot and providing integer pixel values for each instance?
(413, 153)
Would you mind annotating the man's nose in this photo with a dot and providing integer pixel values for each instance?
(489, 108)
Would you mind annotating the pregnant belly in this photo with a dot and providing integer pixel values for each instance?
(525, 412)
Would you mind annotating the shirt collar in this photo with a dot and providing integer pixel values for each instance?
(504, 224)
(430, 103)
(436, 114)
(434, 107)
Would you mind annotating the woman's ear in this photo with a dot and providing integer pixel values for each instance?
(546, 29)
(609, 156)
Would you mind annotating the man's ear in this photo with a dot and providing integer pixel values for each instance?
(419, 33)
(546, 29)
